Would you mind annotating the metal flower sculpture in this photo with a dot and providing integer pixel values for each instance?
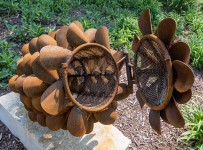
(69, 79)
(161, 71)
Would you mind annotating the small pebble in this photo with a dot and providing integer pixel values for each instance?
(47, 136)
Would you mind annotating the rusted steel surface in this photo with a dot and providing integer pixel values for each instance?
(69, 78)
(161, 71)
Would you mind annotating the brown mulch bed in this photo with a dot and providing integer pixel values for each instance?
(8, 141)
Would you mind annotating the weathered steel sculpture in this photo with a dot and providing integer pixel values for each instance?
(69, 79)
(162, 73)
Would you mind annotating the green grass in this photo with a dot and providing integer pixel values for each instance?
(193, 114)
(120, 16)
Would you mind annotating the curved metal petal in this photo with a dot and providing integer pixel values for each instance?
(166, 31)
(174, 115)
(139, 98)
(102, 37)
(144, 22)
(182, 98)
(122, 92)
(163, 116)
(117, 57)
(154, 120)
(135, 41)
(76, 36)
(79, 25)
(90, 33)
(180, 51)
(185, 76)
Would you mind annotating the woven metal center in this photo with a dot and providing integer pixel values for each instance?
(92, 77)
(151, 72)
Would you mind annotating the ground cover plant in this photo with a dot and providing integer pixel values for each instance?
(21, 20)
(193, 137)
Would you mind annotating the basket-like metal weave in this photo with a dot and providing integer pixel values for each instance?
(153, 72)
(90, 77)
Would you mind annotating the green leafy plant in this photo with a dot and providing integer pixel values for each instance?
(9, 6)
(8, 59)
(27, 31)
(193, 137)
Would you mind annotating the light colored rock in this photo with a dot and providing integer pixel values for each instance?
(33, 136)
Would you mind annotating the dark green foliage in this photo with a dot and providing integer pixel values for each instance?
(8, 59)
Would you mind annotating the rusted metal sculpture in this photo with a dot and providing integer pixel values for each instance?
(162, 73)
(69, 79)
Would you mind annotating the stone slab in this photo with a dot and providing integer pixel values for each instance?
(35, 137)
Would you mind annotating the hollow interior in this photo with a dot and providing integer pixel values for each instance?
(92, 76)
(151, 72)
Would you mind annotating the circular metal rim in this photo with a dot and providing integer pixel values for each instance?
(64, 68)
(168, 67)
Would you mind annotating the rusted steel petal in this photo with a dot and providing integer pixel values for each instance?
(77, 122)
(32, 116)
(154, 120)
(51, 57)
(36, 103)
(118, 56)
(122, 92)
(45, 40)
(107, 116)
(166, 31)
(41, 119)
(27, 69)
(180, 51)
(90, 125)
(102, 37)
(185, 76)
(33, 86)
(163, 116)
(53, 34)
(145, 23)
(48, 76)
(114, 105)
(174, 115)
(12, 82)
(182, 98)
(79, 25)
(27, 101)
(55, 123)
(19, 68)
(93, 118)
(75, 36)
(64, 127)
(61, 37)
(25, 49)
(52, 100)
(28, 109)
(19, 84)
(139, 98)
(135, 41)
(33, 45)
(90, 34)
